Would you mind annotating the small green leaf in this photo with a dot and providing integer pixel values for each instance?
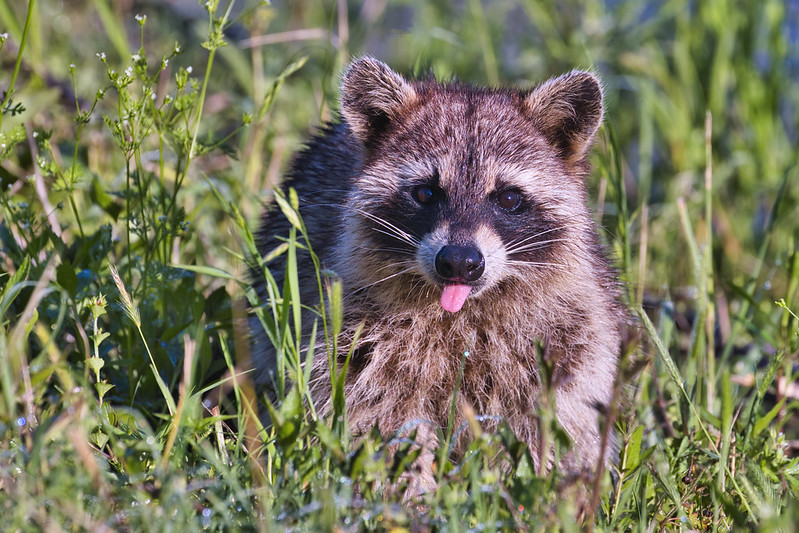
(404, 457)
(96, 364)
(102, 388)
(294, 200)
(65, 276)
(632, 452)
(279, 249)
(100, 336)
(329, 440)
(287, 419)
(359, 461)
(288, 211)
(762, 423)
(334, 297)
(96, 305)
(31, 323)
(106, 202)
(208, 271)
(99, 438)
(771, 372)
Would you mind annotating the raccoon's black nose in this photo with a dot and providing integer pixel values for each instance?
(460, 263)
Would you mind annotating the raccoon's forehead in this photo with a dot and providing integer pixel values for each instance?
(464, 122)
(479, 141)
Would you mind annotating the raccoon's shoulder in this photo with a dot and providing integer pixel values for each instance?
(321, 173)
(327, 163)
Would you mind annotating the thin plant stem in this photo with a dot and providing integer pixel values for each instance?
(18, 62)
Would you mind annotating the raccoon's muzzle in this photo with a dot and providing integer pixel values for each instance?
(458, 265)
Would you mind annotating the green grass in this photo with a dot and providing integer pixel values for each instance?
(133, 171)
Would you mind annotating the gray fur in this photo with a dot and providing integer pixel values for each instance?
(547, 281)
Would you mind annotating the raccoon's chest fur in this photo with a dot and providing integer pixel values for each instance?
(408, 365)
(457, 220)
(409, 362)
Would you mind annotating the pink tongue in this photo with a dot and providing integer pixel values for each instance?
(453, 297)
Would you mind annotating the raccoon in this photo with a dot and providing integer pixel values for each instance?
(457, 220)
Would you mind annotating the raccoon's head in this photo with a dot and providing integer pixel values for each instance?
(464, 189)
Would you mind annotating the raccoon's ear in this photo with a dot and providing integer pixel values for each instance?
(568, 111)
(372, 95)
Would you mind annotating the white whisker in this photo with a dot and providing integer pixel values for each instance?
(394, 275)
(528, 238)
(531, 246)
(399, 251)
(397, 263)
(393, 230)
(395, 236)
(556, 266)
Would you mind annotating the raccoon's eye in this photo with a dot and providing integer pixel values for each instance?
(510, 200)
(424, 194)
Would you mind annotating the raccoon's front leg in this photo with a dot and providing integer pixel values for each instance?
(422, 478)
(581, 403)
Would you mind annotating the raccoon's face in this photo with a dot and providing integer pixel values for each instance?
(464, 188)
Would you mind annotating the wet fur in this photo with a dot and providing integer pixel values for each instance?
(547, 281)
